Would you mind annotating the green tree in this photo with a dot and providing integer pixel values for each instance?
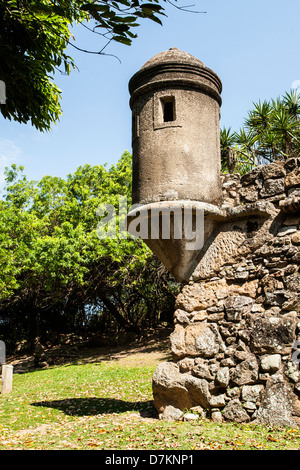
(57, 275)
(34, 35)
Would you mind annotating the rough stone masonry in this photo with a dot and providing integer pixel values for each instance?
(236, 324)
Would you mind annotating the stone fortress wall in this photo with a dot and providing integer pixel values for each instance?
(234, 344)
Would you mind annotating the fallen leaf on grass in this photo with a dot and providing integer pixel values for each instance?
(119, 428)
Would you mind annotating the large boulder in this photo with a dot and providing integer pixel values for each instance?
(181, 391)
(277, 403)
(199, 339)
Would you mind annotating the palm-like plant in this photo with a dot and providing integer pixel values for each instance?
(247, 144)
(271, 132)
(285, 129)
(291, 101)
(259, 118)
(237, 151)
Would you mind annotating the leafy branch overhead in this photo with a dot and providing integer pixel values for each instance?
(35, 35)
(118, 18)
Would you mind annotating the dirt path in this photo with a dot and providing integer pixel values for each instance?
(137, 353)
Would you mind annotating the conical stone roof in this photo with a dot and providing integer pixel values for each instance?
(173, 55)
(172, 66)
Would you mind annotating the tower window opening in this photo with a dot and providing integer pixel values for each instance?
(135, 125)
(168, 108)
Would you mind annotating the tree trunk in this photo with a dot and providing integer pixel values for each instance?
(118, 317)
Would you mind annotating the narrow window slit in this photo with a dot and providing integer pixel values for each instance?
(168, 107)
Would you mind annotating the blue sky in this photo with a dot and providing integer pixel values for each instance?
(252, 46)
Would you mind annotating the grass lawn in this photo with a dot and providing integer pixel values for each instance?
(108, 405)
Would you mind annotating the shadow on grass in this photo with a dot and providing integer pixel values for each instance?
(94, 406)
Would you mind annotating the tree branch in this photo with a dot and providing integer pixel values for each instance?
(95, 52)
(185, 8)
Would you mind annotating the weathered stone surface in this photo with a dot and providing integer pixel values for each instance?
(270, 283)
(191, 137)
(239, 318)
(291, 164)
(216, 317)
(249, 406)
(270, 363)
(237, 306)
(277, 403)
(199, 339)
(274, 170)
(168, 388)
(252, 176)
(292, 220)
(284, 231)
(171, 414)
(198, 390)
(272, 187)
(201, 296)
(227, 362)
(182, 391)
(292, 303)
(252, 393)
(201, 370)
(216, 416)
(186, 364)
(234, 392)
(225, 245)
(292, 371)
(293, 282)
(293, 178)
(296, 238)
(222, 377)
(199, 316)
(217, 401)
(271, 334)
(249, 194)
(178, 345)
(246, 372)
(190, 417)
(241, 355)
(234, 411)
(181, 316)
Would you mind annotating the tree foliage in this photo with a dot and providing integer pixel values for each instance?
(271, 132)
(34, 35)
(57, 275)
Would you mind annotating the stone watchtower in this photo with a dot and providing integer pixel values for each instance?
(175, 102)
(236, 340)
